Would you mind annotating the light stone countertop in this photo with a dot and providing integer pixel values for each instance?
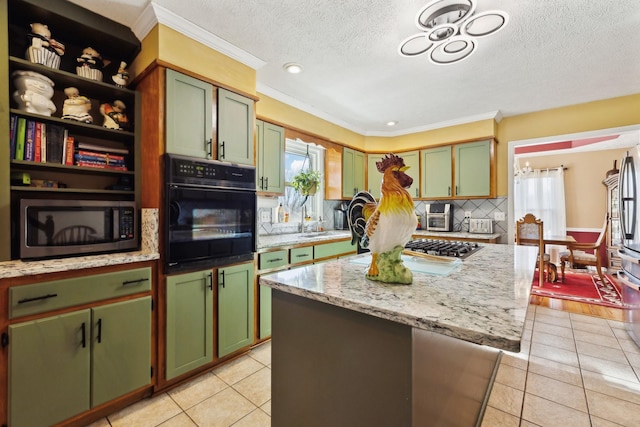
(283, 240)
(484, 300)
(19, 268)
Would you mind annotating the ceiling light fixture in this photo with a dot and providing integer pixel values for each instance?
(449, 29)
(392, 123)
(292, 68)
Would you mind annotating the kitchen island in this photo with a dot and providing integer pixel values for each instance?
(347, 351)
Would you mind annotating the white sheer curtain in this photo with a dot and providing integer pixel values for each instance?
(541, 192)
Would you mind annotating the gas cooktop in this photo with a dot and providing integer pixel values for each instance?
(450, 248)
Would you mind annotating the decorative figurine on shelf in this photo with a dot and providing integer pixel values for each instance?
(114, 116)
(42, 49)
(91, 64)
(34, 92)
(386, 226)
(121, 78)
(76, 107)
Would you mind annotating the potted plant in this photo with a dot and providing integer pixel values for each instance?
(306, 182)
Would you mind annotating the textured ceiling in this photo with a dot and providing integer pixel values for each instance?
(552, 53)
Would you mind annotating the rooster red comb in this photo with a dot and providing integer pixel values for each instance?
(388, 161)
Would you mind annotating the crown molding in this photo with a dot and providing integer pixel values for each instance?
(155, 14)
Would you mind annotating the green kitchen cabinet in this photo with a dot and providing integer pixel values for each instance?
(352, 172)
(270, 161)
(66, 364)
(436, 172)
(235, 127)
(374, 178)
(189, 322)
(333, 249)
(264, 321)
(473, 169)
(189, 115)
(235, 308)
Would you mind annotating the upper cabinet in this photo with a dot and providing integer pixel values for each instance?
(189, 107)
(270, 160)
(436, 172)
(473, 169)
(459, 171)
(71, 125)
(352, 172)
(189, 116)
(235, 127)
(374, 178)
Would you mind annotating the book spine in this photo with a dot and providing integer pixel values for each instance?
(20, 137)
(12, 136)
(43, 142)
(101, 155)
(29, 142)
(37, 143)
(102, 160)
(69, 149)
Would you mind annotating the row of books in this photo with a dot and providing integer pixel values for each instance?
(39, 142)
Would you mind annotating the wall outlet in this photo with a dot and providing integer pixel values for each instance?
(467, 214)
(500, 216)
(265, 216)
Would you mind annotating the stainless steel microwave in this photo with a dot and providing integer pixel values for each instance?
(56, 228)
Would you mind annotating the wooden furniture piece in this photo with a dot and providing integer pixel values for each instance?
(614, 235)
(83, 178)
(577, 256)
(529, 232)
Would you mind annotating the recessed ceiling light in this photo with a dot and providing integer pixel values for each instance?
(292, 67)
(392, 123)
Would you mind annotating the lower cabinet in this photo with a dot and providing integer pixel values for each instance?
(235, 308)
(66, 364)
(189, 322)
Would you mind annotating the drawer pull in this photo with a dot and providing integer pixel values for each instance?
(99, 331)
(302, 255)
(84, 334)
(24, 300)
(133, 282)
(275, 260)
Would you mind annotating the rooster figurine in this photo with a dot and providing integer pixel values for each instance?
(386, 226)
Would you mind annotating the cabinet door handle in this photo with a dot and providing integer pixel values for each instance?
(221, 156)
(273, 260)
(99, 331)
(210, 276)
(133, 282)
(417, 195)
(24, 300)
(457, 192)
(266, 183)
(83, 329)
(448, 190)
(301, 255)
(222, 278)
(262, 182)
(209, 144)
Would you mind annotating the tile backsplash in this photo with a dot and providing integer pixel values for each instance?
(479, 208)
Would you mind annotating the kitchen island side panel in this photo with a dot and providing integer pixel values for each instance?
(336, 367)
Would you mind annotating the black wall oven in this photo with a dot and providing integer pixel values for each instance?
(210, 215)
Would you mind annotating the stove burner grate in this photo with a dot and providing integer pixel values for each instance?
(450, 248)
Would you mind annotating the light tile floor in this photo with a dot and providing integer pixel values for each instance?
(573, 371)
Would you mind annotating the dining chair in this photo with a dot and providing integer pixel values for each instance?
(578, 256)
(530, 232)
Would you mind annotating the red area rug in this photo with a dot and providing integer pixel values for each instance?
(581, 287)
